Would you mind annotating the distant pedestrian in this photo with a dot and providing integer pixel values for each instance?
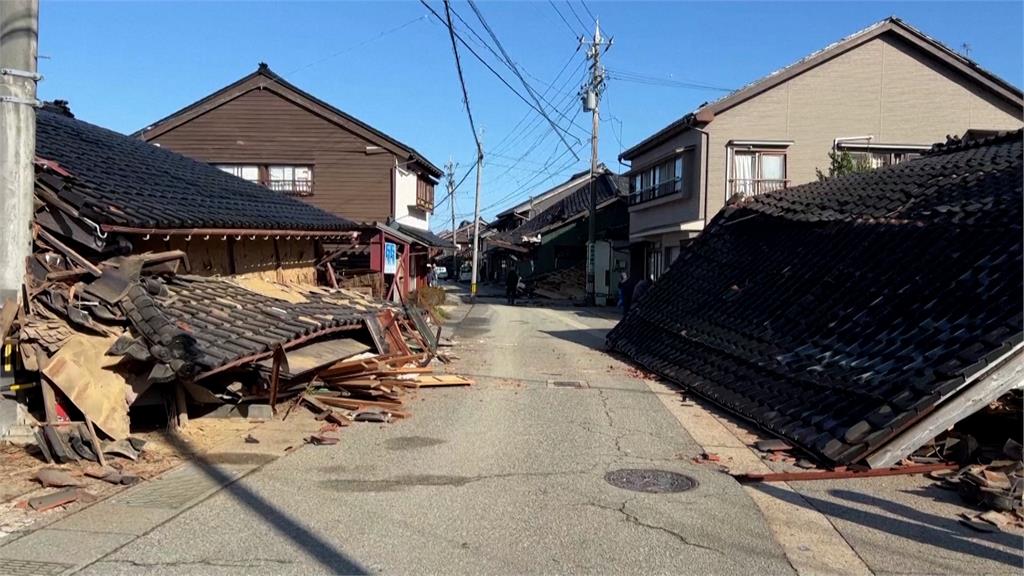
(626, 286)
(511, 286)
(641, 288)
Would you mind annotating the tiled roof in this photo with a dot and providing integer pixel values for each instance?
(122, 181)
(426, 237)
(836, 314)
(206, 323)
(609, 186)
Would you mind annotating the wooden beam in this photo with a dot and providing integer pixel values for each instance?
(71, 254)
(1008, 373)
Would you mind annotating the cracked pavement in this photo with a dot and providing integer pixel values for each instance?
(503, 477)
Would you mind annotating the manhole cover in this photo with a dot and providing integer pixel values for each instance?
(652, 481)
(566, 384)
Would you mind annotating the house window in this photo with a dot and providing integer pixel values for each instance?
(754, 172)
(424, 195)
(246, 172)
(877, 155)
(661, 179)
(293, 180)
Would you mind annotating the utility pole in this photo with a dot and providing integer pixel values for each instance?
(19, 31)
(449, 169)
(591, 95)
(476, 213)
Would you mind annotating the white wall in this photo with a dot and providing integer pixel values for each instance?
(406, 211)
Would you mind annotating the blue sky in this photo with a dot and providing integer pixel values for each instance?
(123, 65)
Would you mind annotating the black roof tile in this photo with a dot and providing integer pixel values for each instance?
(834, 325)
(577, 202)
(122, 181)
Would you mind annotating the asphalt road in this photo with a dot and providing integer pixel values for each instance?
(505, 477)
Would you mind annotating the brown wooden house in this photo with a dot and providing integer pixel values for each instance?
(266, 130)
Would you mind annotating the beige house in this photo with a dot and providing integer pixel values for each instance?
(884, 95)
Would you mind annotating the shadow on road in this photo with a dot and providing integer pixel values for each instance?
(326, 553)
(592, 338)
(906, 522)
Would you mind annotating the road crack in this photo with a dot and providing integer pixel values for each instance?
(634, 519)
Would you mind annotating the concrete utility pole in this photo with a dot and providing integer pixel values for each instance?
(449, 169)
(591, 95)
(19, 31)
(476, 213)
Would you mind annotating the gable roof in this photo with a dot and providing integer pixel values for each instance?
(125, 184)
(546, 198)
(706, 112)
(574, 205)
(266, 79)
(839, 314)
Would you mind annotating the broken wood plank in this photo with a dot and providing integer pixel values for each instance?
(71, 254)
(361, 404)
(442, 380)
(842, 473)
(7, 316)
(95, 440)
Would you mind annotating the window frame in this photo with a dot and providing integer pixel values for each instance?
(757, 176)
(661, 178)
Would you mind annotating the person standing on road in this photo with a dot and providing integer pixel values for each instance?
(511, 286)
(626, 286)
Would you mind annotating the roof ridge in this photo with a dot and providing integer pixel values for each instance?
(956, 143)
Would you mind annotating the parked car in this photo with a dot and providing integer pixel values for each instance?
(440, 272)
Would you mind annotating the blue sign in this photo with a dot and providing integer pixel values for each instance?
(390, 258)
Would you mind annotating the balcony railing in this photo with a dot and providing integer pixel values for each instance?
(755, 186)
(663, 189)
(292, 187)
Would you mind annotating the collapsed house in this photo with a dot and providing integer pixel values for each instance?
(549, 249)
(160, 280)
(856, 317)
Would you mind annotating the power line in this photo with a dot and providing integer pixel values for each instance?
(639, 78)
(536, 143)
(475, 54)
(512, 134)
(578, 19)
(587, 8)
(462, 80)
(511, 65)
(515, 70)
(560, 15)
(349, 49)
(361, 44)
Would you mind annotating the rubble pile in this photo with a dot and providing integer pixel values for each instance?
(96, 340)
(564, 284)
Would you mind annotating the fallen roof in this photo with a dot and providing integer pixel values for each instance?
(232, 324)
(122, 183)
(839, 313)
(553, 194)
(938, 50)
(574, 205)
(266, 79)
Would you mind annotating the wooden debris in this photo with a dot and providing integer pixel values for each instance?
(442, 380)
